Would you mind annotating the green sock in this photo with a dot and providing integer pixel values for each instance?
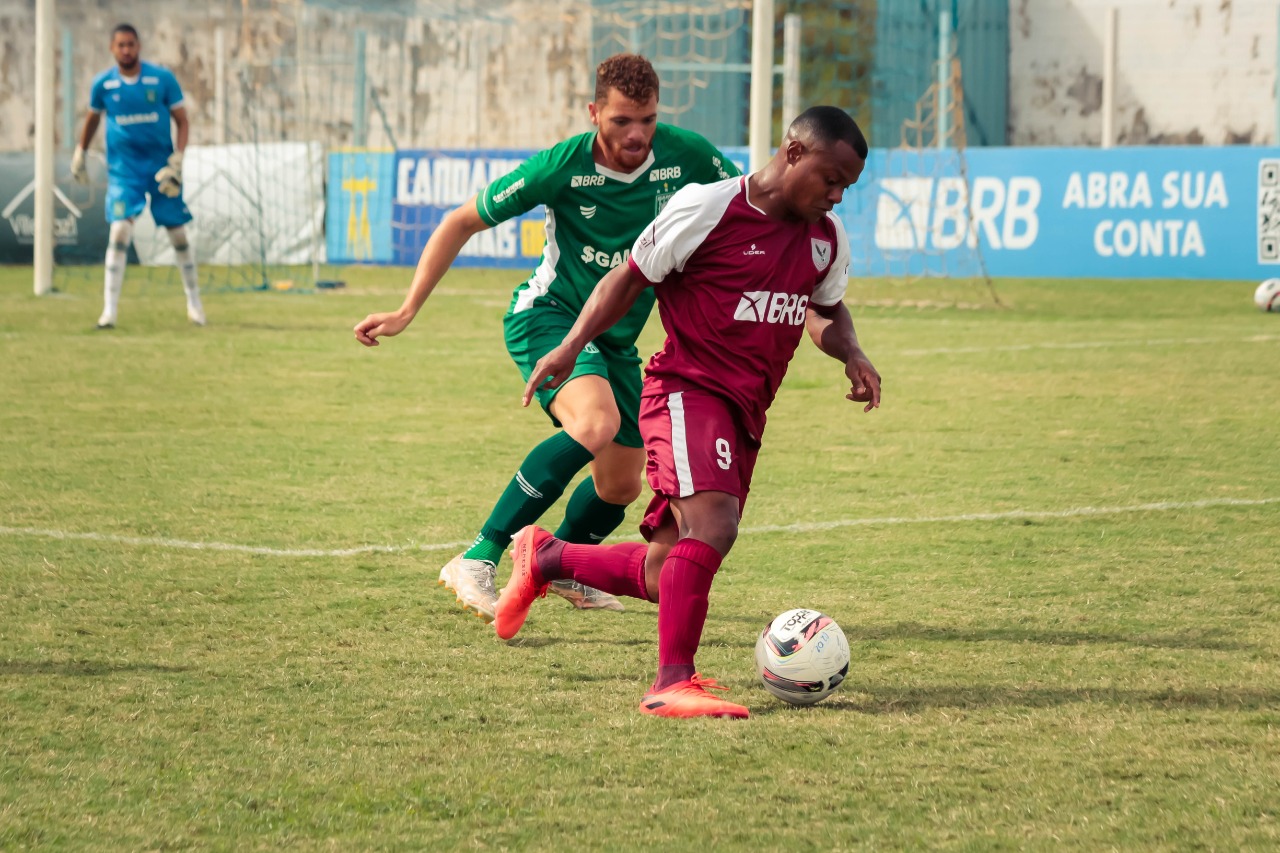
(538, 484)
(587, 518)
(483, 549)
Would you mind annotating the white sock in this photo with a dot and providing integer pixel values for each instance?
(186, 261)
(113, 276)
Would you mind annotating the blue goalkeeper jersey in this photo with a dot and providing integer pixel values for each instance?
(138, 136)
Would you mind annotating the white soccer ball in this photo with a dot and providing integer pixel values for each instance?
(802, 656)
(1267, 296)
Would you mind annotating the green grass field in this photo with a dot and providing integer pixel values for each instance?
(1053, 551)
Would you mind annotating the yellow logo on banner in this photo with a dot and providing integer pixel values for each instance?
(359, 238)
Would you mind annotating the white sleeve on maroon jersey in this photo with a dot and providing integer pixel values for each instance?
(833, 286)
(667, 242)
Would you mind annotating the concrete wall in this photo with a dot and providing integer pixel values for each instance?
(1188, 71)
(516, 74)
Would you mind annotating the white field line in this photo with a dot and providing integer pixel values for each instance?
(800, 527)
(1151, 342)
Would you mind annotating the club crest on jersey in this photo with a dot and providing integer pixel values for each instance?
(821, 253)
(660, 201)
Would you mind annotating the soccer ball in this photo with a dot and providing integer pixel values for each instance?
(802, 656)
(1267, 296)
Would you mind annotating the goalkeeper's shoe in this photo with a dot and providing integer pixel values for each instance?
(526, 583)
(195, 311)
(585, 597)
(472, 582)
(169, 178)
(691, 699)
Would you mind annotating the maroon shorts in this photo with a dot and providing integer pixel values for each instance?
(693, 442)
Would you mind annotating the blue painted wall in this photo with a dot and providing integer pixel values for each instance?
(906, 55)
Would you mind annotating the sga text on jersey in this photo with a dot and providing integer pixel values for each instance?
(592, 255)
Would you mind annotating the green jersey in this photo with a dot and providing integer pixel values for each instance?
(594, 215)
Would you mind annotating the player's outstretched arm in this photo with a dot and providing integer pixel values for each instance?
(612, 297)
(458, 226)
(831, 328)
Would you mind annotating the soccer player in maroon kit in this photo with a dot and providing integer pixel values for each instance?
(740, 268)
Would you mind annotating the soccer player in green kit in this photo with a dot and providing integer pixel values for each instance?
(600, 189)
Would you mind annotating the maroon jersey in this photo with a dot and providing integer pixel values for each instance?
(732, 287)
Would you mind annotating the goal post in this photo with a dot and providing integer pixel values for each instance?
(42, 244)
(760, 117)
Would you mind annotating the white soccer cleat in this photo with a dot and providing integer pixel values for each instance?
(106, 321)
(195, 313)
(472, 582)
(585, 597)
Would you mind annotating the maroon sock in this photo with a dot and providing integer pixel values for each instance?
(683, 587)
(615, 569)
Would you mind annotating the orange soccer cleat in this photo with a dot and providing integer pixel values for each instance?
(691, 699)
(524, 586)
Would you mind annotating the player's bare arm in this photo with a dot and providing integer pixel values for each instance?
(91, 122)
(182, 128)
(831, 328)
(609, 302)
(458, 226)
(79, 170)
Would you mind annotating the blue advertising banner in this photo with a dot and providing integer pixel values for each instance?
(1150, 212)
(358, 206)
(431, 182)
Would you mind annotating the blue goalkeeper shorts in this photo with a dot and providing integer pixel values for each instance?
(127, 200)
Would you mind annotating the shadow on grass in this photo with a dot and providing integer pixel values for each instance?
(917, 632)
(81, 667)
(1208, 640)
(536, 641)
(870, 699)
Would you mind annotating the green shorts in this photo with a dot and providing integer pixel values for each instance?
(536, 331)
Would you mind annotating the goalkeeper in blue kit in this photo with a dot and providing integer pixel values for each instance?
(139, 100)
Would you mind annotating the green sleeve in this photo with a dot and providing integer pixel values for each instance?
(726, 167)
(520, 190)
(709, 162)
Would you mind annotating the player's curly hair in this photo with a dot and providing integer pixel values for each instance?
(630, 74)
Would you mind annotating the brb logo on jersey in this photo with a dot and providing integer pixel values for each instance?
(586, 181)
(763, 306)
(667, 173)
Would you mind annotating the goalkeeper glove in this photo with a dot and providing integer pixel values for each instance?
(79, 171)
(170, 177)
